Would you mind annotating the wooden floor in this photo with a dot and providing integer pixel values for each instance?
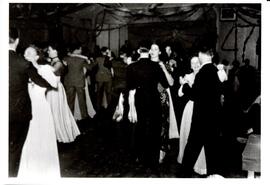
(104, 150)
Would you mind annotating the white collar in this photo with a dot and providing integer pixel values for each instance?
(12, 49)
(144, 55)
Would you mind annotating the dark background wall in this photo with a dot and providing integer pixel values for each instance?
(237, 38)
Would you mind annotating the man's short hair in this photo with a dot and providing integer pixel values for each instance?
(13, 35)
(103, 49)
(142, 50)
(75, 46)
(206, 47)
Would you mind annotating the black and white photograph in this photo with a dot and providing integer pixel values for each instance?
(133, 90)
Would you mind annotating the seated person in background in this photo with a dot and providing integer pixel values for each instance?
(251, 121)
(254, 117)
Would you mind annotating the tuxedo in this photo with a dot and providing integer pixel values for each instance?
(20, 113)
(204, 131)
(144, 76)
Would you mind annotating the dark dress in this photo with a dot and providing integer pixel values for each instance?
(165, 115)
(144, 76)
(165, 118)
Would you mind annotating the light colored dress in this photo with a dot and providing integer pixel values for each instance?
(39, 157)
(200, 165)
(65, 125)
(90, 109)
(173, 130)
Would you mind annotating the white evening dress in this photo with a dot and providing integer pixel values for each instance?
(39, 157)
(90, 109)
(200, 165)
(65, 125)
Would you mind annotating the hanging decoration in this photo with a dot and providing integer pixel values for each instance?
(245, 42)
(126, 14)
(251, 18)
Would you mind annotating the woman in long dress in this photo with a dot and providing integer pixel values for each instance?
(40, 154)
(65, 125)
(186, 85)
(166, 102)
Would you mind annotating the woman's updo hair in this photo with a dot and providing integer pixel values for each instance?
(103, 49)
(61, 50)
(53, 45)
(74, 47)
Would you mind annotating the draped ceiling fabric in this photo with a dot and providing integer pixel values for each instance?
(122, 13)
(92, 16)
(116, 14)
(179, 23)
(169, 20)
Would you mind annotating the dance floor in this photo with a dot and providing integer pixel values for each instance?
(104, 149)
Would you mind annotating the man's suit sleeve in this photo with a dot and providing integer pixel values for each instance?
(35, 77)
(92, 65)
(86, 65)
(130, 78)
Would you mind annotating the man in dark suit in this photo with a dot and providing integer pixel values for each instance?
(20, 113)
(74, 80)
(104, 78)
(204, 129)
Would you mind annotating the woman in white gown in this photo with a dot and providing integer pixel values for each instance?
(188, 80)
(40, 154)
(65, 125)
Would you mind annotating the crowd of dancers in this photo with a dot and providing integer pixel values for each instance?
(150, 87)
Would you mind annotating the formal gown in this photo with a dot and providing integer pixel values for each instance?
(200, 165)
(65, 125)
(39, 157)
(90, 109)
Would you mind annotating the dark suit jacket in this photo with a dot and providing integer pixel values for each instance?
(75, 75)
(206, 95)
(144, 76)
(19, 73)
(103, 73)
